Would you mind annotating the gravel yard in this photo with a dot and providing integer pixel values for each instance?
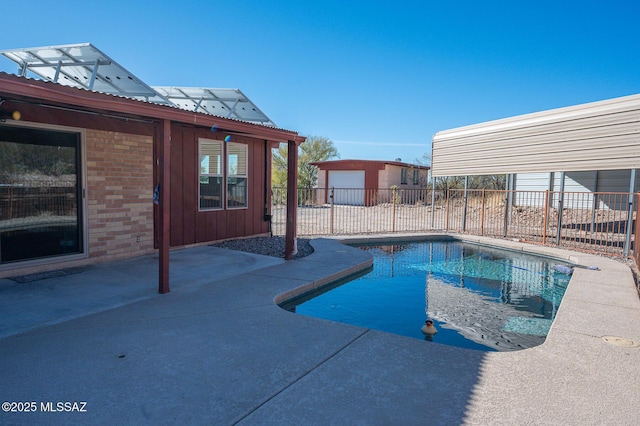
(267, 246)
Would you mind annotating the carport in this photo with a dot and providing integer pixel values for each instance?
(598, 136)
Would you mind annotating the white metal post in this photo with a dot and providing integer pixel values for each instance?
(464, 208)
(433, 201)
(632, 188)
(560, 208)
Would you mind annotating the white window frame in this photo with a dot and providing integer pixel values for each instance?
(237, 175)
(220, 174)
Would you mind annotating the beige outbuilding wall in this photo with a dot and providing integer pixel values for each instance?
(601, 135)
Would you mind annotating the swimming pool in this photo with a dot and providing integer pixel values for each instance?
(479, 297)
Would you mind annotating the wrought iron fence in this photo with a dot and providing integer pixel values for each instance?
(33, 198)
(587, 221)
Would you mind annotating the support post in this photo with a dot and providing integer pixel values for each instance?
(464, 207)
(560, 208)
(331, 211)
(57, 73)
(292, 200)
(632, 188)
(482, 214)
(394, 196)
(545, 218)
(594, 206)
(94, 73)
(507, 202)
(433, 202)
(267, 187)
(446, 220)
(165, 203)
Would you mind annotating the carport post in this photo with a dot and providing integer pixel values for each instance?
(560, 208)
(464, 208)
(165, 194)
(433, 201)
(507, 202)
(292, 200)
(632, 188)
(594, 206)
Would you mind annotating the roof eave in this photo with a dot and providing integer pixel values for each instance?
(58, 94)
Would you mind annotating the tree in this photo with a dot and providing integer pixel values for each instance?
(315, 148)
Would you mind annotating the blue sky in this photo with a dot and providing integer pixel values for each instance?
(377, 78)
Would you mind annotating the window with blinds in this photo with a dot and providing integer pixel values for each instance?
(236, 175)
(210, 188)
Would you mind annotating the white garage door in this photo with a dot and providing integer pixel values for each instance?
(349, 186)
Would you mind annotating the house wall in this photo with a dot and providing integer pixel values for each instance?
(322, 178)
(384, 178)
(119, 194)
(322, 193)
(118, 187)
(189, 225)
(392, 176)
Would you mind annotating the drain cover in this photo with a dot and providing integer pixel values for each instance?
(620, 341)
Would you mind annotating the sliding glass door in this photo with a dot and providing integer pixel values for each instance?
(40, 194)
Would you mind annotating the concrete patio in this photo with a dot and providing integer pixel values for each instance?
(218, 350)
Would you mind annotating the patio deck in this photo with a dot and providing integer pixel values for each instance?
(217, 349)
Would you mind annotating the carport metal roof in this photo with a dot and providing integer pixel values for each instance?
(600, 135)
(85, 66)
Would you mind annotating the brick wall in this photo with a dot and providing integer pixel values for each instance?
(119, 194)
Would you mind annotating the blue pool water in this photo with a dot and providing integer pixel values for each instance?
(479, 297)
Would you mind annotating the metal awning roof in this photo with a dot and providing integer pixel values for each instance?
(85, 66)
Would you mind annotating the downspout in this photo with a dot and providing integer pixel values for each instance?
(291, 246)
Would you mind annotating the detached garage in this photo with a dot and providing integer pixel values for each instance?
(357, 182)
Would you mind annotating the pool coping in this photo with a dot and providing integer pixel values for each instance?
(598, 317)
(623, 276)
(622, 279)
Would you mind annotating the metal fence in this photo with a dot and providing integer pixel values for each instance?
(31, 198)
(586, 221)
